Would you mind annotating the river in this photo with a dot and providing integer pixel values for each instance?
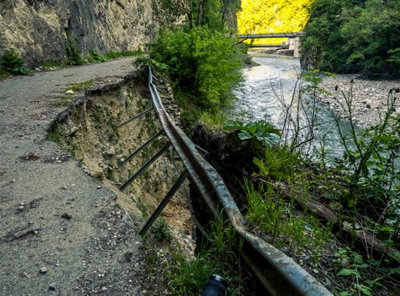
(272, 82)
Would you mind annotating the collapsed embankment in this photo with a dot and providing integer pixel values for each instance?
(89, 131)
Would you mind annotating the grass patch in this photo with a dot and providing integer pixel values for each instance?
(94, 56)
(4, 74)
(190, 277)
(124, 53)
(162, 231)
(50, 64)
(281, 225)
(65, 100)
(55, 133)
(79, 85)
(220, 256)
(72, 51)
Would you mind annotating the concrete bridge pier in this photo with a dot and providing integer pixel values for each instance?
(294, 44)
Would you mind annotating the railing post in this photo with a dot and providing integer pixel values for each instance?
(164, 202)
(145, 166)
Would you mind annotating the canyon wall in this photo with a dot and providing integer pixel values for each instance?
(39, 29)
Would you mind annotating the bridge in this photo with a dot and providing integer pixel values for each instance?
(294, 40)
(271, 35)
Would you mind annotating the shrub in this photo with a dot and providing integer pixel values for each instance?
(13, 63)
(96, 57)
(73, 54)
(204, 64)
(353, 36)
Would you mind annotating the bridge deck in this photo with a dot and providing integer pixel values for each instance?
(271, 35)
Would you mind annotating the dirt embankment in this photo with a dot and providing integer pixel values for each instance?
(61, 230)
(90, 132)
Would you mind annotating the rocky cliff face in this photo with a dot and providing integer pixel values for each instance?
(38, 29)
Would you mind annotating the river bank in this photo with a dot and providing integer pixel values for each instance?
(369, 97)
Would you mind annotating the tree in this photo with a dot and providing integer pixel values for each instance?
(353, 36)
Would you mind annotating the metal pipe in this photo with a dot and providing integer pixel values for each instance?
(145, 166)
(136, 116)
(140, 148)
(202, 151)
(164, 202)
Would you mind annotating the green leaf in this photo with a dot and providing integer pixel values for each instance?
(232, 124)
(363, 289)
(347, 272)
(245, 135)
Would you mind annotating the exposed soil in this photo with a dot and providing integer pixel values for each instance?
(61, 232)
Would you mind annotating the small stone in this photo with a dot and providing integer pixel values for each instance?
(67, 216)
(110, 151)
(53, 286)
(104, 289)
(69, 92)
(315, 271)
(21, 208)
(128, 256)
(99, 187)
(43, 270)
(64, 187)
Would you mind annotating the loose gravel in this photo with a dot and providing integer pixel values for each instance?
(369, 97)
(60, 232)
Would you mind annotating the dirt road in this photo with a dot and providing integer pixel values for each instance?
(60, 232)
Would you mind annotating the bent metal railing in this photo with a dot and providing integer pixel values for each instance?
(211, 187)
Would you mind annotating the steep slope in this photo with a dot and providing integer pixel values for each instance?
(39, 30)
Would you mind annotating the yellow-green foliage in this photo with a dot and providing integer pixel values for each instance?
(272, 16)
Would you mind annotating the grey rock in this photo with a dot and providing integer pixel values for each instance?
(53, 286)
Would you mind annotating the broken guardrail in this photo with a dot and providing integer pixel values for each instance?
(292, 278)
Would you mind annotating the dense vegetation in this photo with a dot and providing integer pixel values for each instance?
(337, 214)
(353, 230)
(204, 65)
(202, 59)
(354, 36)
(12, 63)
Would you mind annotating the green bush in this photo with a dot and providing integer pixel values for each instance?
(13, 63)
(162, 231)
(96, 57)
(260, 130)
(73, 53)
(354, 36)
(124, 53)
(204, 64)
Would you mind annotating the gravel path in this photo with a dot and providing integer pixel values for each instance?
(60, 232)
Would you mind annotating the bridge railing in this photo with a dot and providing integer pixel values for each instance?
(271, 35)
